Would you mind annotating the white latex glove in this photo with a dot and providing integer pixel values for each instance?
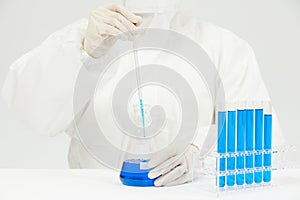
(173, 168)
(105, 22)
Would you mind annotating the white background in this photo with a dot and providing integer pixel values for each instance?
(100, 184)
(271, 26)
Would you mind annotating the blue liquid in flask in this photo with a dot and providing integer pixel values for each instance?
(134, 173)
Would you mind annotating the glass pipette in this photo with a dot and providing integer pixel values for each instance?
(138, 81)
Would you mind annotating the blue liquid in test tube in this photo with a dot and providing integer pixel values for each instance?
(258, 144)
(267, 145)
(221, 144)
(240, 160)
(231, 146)
(249, 144)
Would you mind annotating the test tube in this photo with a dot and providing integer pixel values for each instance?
(241, 129)
(249, 141)
(258, 142)
(231, 122)
(221, 149)
(267, 141)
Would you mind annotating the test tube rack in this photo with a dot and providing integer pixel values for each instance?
(244, 153)
(244, 147)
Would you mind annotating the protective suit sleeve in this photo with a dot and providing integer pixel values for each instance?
(238, 69)
(242, 81)
(39, 85)
(255, 89)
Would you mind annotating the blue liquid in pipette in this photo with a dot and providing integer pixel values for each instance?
(258, 144)
(221, 149)
(138, 81)
(231, 146)
(249, 145)
(240, 160)
(267, 146)
(143, 116)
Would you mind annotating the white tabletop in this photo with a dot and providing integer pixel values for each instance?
(105, 184)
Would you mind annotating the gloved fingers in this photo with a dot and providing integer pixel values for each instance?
(165, 167)
(185, 178)
(103, 15)
(117, 16)
(106, 17)
(105, 30)
(116, 23)
(160, 158)
(137, 20)
(99, 11)
(171, 176)
(124, 33)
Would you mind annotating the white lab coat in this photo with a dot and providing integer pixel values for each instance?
(39, 85)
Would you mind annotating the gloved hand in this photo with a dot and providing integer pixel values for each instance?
(105, 22)
(173, 168)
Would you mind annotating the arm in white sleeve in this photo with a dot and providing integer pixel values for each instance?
(39, 86)
(256, 90)
(242, 81)
(239, 71)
